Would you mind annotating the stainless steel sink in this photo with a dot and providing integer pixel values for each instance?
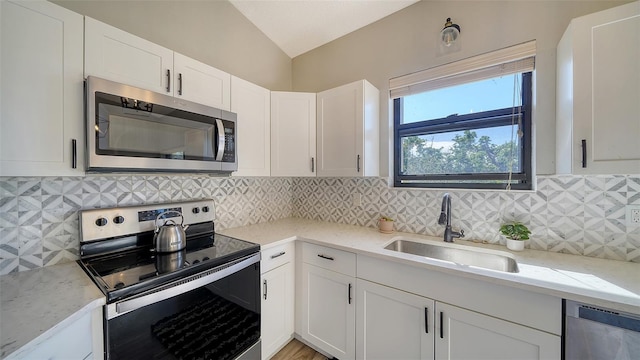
(485, 260)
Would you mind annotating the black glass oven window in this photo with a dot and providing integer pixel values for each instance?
(128, 127)
(219, 321)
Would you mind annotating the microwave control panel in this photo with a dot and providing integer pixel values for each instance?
(229, 141)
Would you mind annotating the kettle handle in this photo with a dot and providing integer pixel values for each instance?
(168, 212)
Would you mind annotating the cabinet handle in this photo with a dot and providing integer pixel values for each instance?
(264, 286)
(584, 153)
(426, 320)
(312, 164)
(74, 154)
(325, 257)
(441, 325)
(278, 255)
(358, 163)
(179, 83)
(168, 80)
(349, 294)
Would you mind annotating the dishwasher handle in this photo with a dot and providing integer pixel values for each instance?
(604, 316)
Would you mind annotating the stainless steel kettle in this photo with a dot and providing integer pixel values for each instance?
(170, 236)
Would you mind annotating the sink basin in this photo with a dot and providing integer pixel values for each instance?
(483, 259)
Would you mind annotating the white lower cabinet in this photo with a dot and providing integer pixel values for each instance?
(405, 312)
(463, 334)
(82, 339)
(278, 298)
(277, 309)
(328, 303)
(393, 324)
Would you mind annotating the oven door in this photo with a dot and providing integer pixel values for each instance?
(211, 315)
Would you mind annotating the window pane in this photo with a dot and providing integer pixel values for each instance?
(477, 151)
(479, 96)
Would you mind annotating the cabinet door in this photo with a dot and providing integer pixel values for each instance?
(393, 324)
(116, 55)
(348, 130)
(464, 334)
(340, 145)
(41, 90)
(328, 309)
(201, 83)
(71, 342)
(293, 134)
(277, 309)
(252, 103)
(598, 92)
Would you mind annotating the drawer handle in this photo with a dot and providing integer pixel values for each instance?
(325, 257)
(349, 294)
(441, 325)
(278, 255)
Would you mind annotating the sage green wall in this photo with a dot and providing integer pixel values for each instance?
(406, 42)
(213, 32)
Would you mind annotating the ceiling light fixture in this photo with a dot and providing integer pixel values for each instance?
(449, 33)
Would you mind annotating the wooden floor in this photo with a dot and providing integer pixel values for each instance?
(295, 350)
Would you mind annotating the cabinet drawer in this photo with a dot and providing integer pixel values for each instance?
(328, 258)
(276, 256)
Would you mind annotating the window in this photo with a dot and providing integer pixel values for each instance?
(471, 130)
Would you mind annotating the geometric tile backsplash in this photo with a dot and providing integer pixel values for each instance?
(582, 215)
(39, 216)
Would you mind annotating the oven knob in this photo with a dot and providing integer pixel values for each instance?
(195, 210)
(101, 222)
(196, 261)
(118, 219)
(205, 258)
(205, 209)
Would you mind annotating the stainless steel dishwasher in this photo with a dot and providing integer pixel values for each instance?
(595, 333)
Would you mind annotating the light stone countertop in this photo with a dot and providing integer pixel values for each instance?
(36, 304)
(607, 283)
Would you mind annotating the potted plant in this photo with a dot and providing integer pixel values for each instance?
(516, 234)
(385, 225)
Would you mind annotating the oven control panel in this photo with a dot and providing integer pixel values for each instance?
(96, 224)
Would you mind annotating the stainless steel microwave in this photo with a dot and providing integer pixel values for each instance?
(132, 129)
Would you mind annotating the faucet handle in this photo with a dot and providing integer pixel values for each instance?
(461, 233)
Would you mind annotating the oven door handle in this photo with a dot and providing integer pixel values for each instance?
(180, 286)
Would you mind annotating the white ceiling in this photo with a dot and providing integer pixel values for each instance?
(298, 26)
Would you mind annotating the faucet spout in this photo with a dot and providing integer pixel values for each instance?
(445, 219)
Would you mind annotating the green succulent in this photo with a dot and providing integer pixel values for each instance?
(515, 231)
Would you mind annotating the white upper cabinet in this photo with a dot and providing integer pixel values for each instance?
(119, 56)
(41, 120)
(293, 134)
(116, 55)
(252, 103)
(598, 87)
(201, 83)
(348, 128)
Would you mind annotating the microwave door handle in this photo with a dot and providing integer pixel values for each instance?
(221, 140)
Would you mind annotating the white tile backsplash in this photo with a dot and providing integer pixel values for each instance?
(582, 215)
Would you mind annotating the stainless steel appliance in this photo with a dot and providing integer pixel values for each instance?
(595, 333)
(202, 302)
(132, 129)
